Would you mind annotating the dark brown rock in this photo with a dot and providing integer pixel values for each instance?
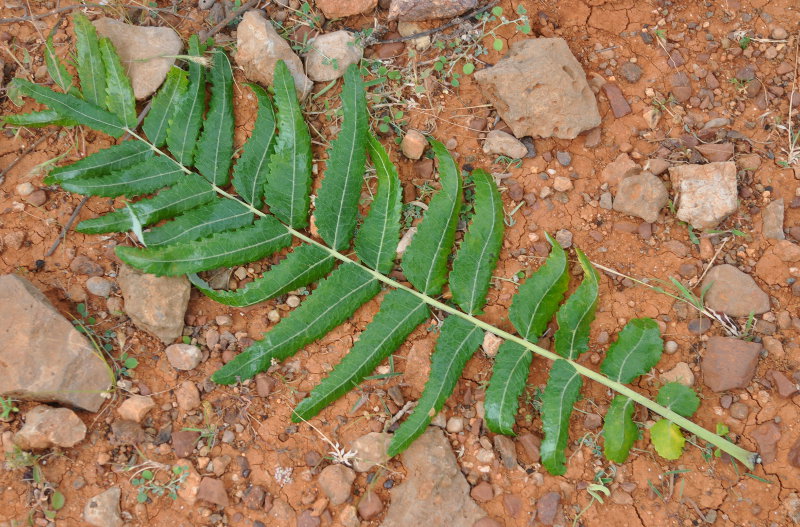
(786, 388)
(183, 442)
(794, 454)
(212, 490)
(254, 497)
(530, 448)
(715, 152)
(547, 508)
(766, 435)
(619, 105)
(125, 432)
(729, 363)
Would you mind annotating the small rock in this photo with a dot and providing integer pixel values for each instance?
(631, 72)
(794, 455)
(348, 516)
(786, 388)
(126, 432)
(606, 201)
(504, 144)
(619, 105)
(642, 195)
(37, 198)
(369, 506)
(656, 166)
(787, 251)
(253, 497)
(739, 411)
(564, 238)
(564, 158)
(508, 452)
(413, 144)
(188, 396)
(98, 286)
(699, 326)
(212, 490)
(84, 265)
(184, 441)
(46, 427)
(260, 47)
(491, 343)
(592, 421)
(716, 152)
(547, 508)
(562, 184)
(330, 55)
(681, 373)
(336, 482)
(25, 189)
(733, 292)
(371, 449)
(156, 304)
(767, 435)
(779, 33)
(103, 509)
(706, 194)
(135, 407)
(344, 8)
(729, 363)
(205, 4)
(482, 492)
(772, 220)
(307, 519)
(622, 167)
(652, 117)
(455, 425)
(530, 448)
(184, 357)
(415, 10)
(555, 99)
(147, 52)
(512, 505)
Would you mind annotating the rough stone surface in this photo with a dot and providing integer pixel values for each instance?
(631, 71)
(623, 166)
(729, 363)
(370, 505)
(413, 144)
(46, 427)
(136, 407)
(504, 144)
(42, 356)
(547, 508)
(681, 373)
(343, 8)
(716, 152)
(336, 482)
(434, 491)
(554, 101)
(331, 54)
(619, 105)
(212, 490)
(156, 304)
(772, 220)
(733, 292)
(259, 47)
(103, 509)
(370, 450)
(706, 194)
(143, 51)
(184, 356)
(767, 435)
(187, 396)
(411, 10)
(642, 195)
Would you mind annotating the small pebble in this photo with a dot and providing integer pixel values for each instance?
(98, 286)
(671, 347)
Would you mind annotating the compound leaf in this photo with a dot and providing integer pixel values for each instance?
(399, 314)
(337, 199)
(425, 259)
(619, 430)
(250, 172)
(215, 146)
(332, 302)
(636, 350)
(559, 397)
(164, 105)
(577, 313)
(667, 438)
(477, 257)
(679, 398)
(509, 375)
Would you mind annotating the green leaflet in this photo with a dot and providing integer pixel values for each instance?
(119, 93)
(619, 430)
(679, 398)
(458, 340)
(399, 314)
(215, 146)
(217, 216)
(184, 125)
(262, 238)
(304, 265)
(289, 180)
(425, 259)
(191, 191)
(89, 63)
(73, 108)
(55, 67)
(538, 298)
(164, 105)
(477, 257)
(636, 350)
(377, 239)
(38, 119)
(577, 313)
(509, 376)
(337, 200)
(332, 302)
(560, 395)
(145, 177)
(667, 439)
(250, 172)
(111, 159)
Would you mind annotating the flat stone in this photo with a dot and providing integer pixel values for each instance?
(344, 8)
(767, 435)
(370, 506)
(547, 508)
(504, 446)
(413, 144)
(733, 292)
(184, 357)
(103, 509)
(787, 251)
(147, 52)
(99, 286)
(642, 195)
(330, 55)
(619, 105)
(504, 144)
(259, 48)
(156, 304)
(413, 10)
(786, 388)
(434, 491)
(212, 490)
(136, 407)
(183, 442)
(706, 194)
(772, 220)
(482, 492)
(371, 449)
(125, 432)
(336, 482)
(554, 101)
(631, 72)
(681, 373)
(729, 363)
(187, 396)
(46, 427)
(623, 166)
(43, 357)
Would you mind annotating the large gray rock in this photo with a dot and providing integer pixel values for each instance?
(434, 491)
(103, 509)
(410, 10)
(540, 89)
(46, 427)
(331, 54)
(730, 291)
(156, 304)
(705, 194)
(259, 47)
(42, 356)
(147, 53)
